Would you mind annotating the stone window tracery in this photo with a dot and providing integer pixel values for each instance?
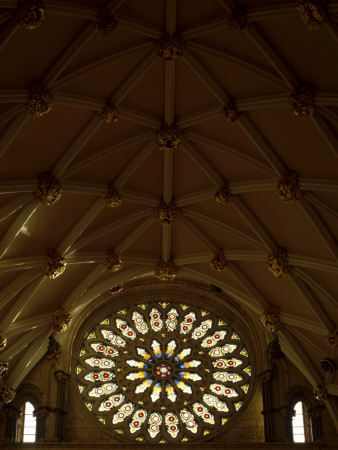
(163, 372)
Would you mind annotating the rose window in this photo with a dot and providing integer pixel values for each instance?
(163, 372)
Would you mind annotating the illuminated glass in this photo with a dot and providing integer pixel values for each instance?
(163, 372)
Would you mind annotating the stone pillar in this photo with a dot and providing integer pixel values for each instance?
(62, 380)
(314, 414)
(13, 414)
(287, 413)
(265, 379)
(41, 414)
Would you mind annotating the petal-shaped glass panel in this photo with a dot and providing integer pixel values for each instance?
(187, 323)
(183, 354)
(156, 346)
(111, 402)
(99, 376)
(156, 392)
(144, 386)
(171, 322)
(101, 363)
(123, 412)
(115, 339)
(212, 340)
(125, 329)
(138, 420)
(136, 375)
(215, 402)
(221, 351)
(135, 363)
(171, 422)
(189, 421)
(143, 352)
(204, 413)
(190, 376)
(225, 363)
(223, 390)
(104, 389)
(140, 323)
(155, 319)
(171, 347)
(200, 331)
(105, 350)
(171, 394)
(183, 386)
(154, 424)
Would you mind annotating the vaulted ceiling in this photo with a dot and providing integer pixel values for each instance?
(249, 90)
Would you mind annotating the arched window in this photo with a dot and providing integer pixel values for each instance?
(301, 425)
(27, 424)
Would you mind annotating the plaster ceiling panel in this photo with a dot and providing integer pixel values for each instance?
(154, 14)
(229, 165)
(103, 82)
(230, 133)
(239, 83)
(288, 224)
(190, 12)
(149, 242)
(296, 141)
(187, 83)
(189, 244)
(43, 231)
(30, 62)
(308, 53)
(147, 94)
(32, 150)
(280, 292)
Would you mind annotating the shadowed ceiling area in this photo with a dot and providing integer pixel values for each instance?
(162, 138)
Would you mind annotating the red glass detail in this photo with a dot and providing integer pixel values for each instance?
(163, 370)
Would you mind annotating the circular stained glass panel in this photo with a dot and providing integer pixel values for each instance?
(163, 372)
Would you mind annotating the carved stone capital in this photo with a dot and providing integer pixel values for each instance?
(109, 114)
(3, 341)
(302, 102)
(60, 375)
(289, 189)
(50, 189)
(113, 262)
(237, 21)
(170, 47)
(218, 261)
(30, 13)
(271, 319)
(231, 113)
(165, 271)
(320, 392)
(7, 394)
(112, 197)
(328, 365)
(168, 137)
(55, 264)
(105, 22)
(43, 411)
(265, 376)
(313, 12)
(223, 195)
(278, 262)
(274, 349)
(61, 320)
(40, 100)
(332, 338)
(3, 368)
(167, 214)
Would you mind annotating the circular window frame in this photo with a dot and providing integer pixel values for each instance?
(190, 293)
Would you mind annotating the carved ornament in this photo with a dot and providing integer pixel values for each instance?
(271, 319)
(3, 368)
(55, 264)
(112, 197)
(332, 338)
(302, 102)
(231, 113)
(289, 189)
(105, 22)
(109, 114)
(7, 394)
(274, 349)
(40, 100)
(3, 341)
(50, 189)
(313, 12)
(278, 262)
(328, 365)
(320, 392)
(237, 21)
(165, 271)
(168, 137)
(167, 214)
(113, 262)
(223, 195)
(30, 13)
(218, 262)
(170, 47)
(54, 348)
(61, 320)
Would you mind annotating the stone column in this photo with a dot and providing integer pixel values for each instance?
(265, 380)
(314, 415)
(41, 414)
(62, 380)
(287, 413)
(13, 414)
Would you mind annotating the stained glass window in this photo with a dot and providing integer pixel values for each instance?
(163, 372)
